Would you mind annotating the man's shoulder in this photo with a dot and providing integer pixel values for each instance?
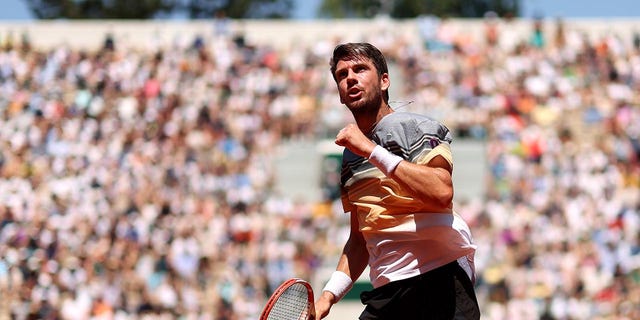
(403, 116)
(404, 120)
(413, 126)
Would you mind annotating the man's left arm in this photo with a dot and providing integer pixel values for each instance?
(430, 182)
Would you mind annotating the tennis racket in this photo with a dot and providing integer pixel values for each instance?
(292, 300)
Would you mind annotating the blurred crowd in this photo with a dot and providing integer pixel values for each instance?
(559, 111)
(140, 183)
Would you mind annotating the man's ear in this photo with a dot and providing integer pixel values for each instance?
(384, 81)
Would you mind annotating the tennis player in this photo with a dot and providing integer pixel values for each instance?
(396, 184)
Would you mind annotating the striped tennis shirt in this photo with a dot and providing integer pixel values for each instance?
(404, 237)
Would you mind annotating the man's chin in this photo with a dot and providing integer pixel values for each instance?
(355, 103)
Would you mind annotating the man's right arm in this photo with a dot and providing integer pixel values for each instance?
(352, 263)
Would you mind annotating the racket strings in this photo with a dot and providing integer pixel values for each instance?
(293, 304)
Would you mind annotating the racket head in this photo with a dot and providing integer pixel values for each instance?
(292, 300)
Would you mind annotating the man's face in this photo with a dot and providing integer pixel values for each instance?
(359, 85)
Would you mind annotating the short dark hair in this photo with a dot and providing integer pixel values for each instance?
(356, 51)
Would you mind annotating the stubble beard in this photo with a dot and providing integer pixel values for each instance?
(365, 107)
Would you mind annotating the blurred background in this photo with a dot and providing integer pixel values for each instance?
(175, 159)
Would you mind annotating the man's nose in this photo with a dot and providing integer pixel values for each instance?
(351, 77)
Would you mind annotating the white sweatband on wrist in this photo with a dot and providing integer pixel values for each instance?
(339, 284)
(384, 160)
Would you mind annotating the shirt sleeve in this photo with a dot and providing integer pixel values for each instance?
(443, 150)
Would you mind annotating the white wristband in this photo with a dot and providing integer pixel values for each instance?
(339, 284)
(384, 160)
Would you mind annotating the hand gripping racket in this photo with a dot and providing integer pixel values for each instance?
(292, 300)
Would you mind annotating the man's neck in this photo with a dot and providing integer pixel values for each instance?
(367, 122)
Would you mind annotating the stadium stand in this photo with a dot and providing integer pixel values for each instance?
(139, 161)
